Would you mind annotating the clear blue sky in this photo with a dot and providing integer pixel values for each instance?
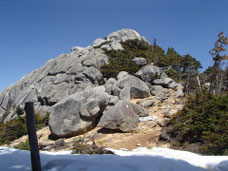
(33, 31)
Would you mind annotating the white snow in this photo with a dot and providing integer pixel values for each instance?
(140, 159)
(148, 118)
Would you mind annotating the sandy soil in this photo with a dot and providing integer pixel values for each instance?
(146, 134)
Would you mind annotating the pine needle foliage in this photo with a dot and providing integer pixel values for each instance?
(203, 121)
(121, 60)
(17, 128)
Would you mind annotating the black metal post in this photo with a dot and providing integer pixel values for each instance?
(33, 142)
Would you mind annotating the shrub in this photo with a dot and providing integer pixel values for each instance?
(81, 147)
(16, 128)
(41, 121)
(19, 111)
(12, 130)
(203, 121)
(121, 60)
(23, 145)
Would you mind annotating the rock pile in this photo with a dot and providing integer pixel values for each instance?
(72, 88)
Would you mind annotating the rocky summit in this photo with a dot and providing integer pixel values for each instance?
(72, 88)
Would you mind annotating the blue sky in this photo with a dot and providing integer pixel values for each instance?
(32, 32)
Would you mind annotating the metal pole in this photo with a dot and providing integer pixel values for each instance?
(33, 143)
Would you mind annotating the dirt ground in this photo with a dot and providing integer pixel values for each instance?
(146, 134)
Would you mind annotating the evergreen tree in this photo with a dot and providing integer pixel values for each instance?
(190, 64)
(226, 78)
(158, 55)
(190, 73)
(174, 60)
(218, 57)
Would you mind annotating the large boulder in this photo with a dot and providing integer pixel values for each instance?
(106, 47)
(125, 93)
(119, 117)
(137, 87)
(77, 49)
(58, 78)
(139, 110)
(63, 76)
(93, 74)
(109, 84)
(124, 35)
(158, 90)
(96, 58)
(149, 72)
(121, 74)
(66, 75)
(140, 61)
(77, 113)
(165, 82)
(110, 44)
(98, 42)
(81, 50)
(115, 45)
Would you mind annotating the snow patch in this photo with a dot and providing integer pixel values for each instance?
(147, 118)
(139, 159)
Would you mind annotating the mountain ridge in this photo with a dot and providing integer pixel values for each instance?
(8, 97)
(78, 97)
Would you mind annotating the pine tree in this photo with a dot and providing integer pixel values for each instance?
(190, 72)
(218, 58)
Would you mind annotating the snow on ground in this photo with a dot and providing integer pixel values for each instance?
(141, 159)
(148, 118)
